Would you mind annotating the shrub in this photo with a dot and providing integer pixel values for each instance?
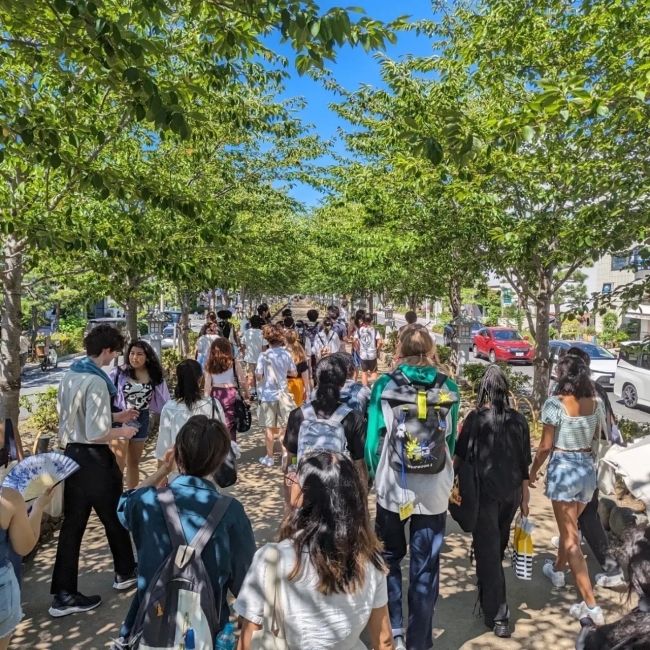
(631, 429)
(170, 359)
(68, 343)
(444, 353)
(43, 416)
(143, 328)
(72, 325)
(390, 343)
(518, 382)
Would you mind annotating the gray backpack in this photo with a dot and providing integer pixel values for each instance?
(322, 434)
(178, 608)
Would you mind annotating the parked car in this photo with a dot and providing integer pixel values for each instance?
(168, 337)
(119, 323)
(450, 331)
(602, 364)
(502, 344)
(632, 380)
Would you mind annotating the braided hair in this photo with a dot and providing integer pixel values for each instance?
(494, 390)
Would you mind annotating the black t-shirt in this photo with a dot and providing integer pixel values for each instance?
(353, 425)
(503, 460)
(302, 366)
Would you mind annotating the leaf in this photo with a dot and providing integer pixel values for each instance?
(433, 150)
(55, 160)
(528, 133)
(131, 74)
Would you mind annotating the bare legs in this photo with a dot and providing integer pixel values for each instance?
(128, 454)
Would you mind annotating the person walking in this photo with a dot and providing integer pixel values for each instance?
(273, 368)
(500, 438)
(571, 418)
(420, 497)
(19, 533)
(327, 341)
(141, 386)
(223, 380)
(328, 565)
(85, 431)
(188, 400)
(312, 327)
(367, 342)
(354, 394)
(200, 448)
(209, 332)
(300, 386)
(253, 347)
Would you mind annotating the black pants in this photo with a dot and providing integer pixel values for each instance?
(98, 486)
(593, 531)
(490, 542)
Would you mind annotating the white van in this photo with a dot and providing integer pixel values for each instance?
(632, 381)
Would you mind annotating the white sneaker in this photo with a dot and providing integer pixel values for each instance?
(611, 580)
(580, 611)
(555, 540)
(399, 643)
(556, 577)
(267, 461)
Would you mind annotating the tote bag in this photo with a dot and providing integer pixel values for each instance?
(523, 549)
(271, 636)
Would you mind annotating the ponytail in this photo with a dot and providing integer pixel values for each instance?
(331, 374)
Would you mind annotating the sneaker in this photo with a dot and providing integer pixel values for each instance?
(555, 540)
(122, 583)
(580, 611)
(556, 577)
(611, 579)
(65, 603)
(121, 643)
(502, 629)
(267, 461)
(399, 643)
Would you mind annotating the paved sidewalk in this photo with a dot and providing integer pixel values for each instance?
(539, 613)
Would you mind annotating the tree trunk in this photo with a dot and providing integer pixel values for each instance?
(184, 325)
(132, 318)
(543, 308)
(558, 320)
(455, 300)
(12, 278)
(370, 303)
(34, 327)
(413, 302)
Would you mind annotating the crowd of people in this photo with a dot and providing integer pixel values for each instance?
(338, 430)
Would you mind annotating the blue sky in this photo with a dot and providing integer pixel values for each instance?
(352, 68)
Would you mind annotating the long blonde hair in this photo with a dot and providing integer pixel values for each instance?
(416, 347)
(293, 346)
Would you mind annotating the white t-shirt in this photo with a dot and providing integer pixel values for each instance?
(203, 348)
(323, 340)
(175, 414)
(273, 365)
(254, 342)
(313, 621)
(368, 338)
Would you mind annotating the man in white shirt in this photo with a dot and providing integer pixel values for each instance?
(86, 429)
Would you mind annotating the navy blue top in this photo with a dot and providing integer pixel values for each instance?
(226, 556)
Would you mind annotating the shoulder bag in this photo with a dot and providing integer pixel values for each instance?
(467, 487)
(226, 474)
(243, 417)
(271, 636)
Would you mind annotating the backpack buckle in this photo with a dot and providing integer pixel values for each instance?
(184, 555)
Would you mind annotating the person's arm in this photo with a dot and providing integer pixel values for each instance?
(462, 443)
(246, 634)
(99, 417)
(379, 343)
(293, 371)
(163, 441)
(160, 397)
(24, 529)
(165, 467)
(243, 540)
(544, 449)
(259, 369)
(207, 383)
(306, 380)
(290, 440)
(379, 629)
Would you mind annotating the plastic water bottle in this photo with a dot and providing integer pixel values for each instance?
(226, 639)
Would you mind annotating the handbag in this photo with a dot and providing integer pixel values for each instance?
(523, 549)
(271, 636)
(243, 416)
(226, 474)
(466, 491)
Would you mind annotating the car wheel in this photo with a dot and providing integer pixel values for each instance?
(475, 351)
(492, 356)
(630, 396)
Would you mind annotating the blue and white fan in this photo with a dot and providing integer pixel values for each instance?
(36, 474)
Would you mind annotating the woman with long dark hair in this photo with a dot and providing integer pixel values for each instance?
(224, 380)
(140, 385)
(328, 566)
(572, 418)
(188, 400)
(331, 374)
(501, 440)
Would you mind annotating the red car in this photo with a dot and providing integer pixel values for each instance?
(502, 344)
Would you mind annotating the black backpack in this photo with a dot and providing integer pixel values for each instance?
(179, 602)
(417, 438)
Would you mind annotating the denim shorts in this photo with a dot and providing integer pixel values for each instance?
(571, 476)
(11, 612)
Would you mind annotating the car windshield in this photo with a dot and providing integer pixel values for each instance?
(595, 351)
(506, 335)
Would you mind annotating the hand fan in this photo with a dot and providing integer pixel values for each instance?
(34, 475)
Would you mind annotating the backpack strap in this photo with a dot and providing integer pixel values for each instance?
(341, 413)
(206, 531)
(171, 516)
(441, 378)
(308, 412)
(399, 378)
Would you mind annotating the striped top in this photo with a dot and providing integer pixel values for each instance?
(572, 431)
